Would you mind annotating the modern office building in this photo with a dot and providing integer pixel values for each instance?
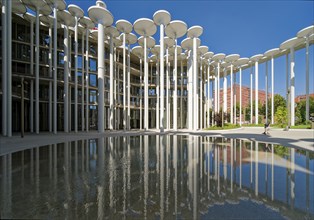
(63, 71)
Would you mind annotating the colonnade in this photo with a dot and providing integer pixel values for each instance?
(203, 69)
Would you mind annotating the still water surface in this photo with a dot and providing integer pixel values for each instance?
(158, 177)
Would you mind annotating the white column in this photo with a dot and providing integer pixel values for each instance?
(36, 76)
(251, 96)
(157, 93)
(216, 92)
(208, 94)
(87, 79)
(231, 94)
(4, 67)
(162, 81)
(101, 73)
(287, 88)
(292, 87)
(190, 91)
(111, 85)
(66, 79)
(141, 99)
(307, 81)
(167, 88)
(175, 97)
(124, 85)
(50, 83)
(181, 98)
(9, 68)
(129, 89)
(75, 74)
(266, 90)
(195, 86)
(83, 79)
(31, 115)
(272, 91)
(218, 87)
(145, 85)
(225, 91)
(256, 92)
(201, 97)
(55, 72)
(240, 98)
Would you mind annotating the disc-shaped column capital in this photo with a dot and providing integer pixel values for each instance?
(18, 7)
(145, 27)
(111, 31)
(219, 57)
(208, 55)
(100, 15)
(176, 29)
(187, 43)
(256, 57)
(39, 5)
(156, 50)
(59, 4)
(202, 50)
(66, 18)
(124, 26)
(182, 57)
(291, 43)
(162, 17)
(138, 51)
(150, 41)
(76, 11)
(172, 49)
(29, 17)
(48, 20)
(232, 58)
(168, 42)
(130, 38)
(271, 53)
(306, 32)
(195, 31)
(241, 62)
(86, 22)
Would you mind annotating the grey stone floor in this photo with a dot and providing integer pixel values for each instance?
(293, 138)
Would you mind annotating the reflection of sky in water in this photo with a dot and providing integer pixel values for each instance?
(158, 177)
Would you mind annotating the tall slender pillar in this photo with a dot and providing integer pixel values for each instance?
(240, 119)
(4, 66)
(157, 94)
(50, 83)
(36, 75)
(255, 59)
(231, 94)
(9, 68)
(129, 88)
(181, 94)
(251, 95)
(55, 70)
(66, 79)
(266, 90)
(225, 91)
(175, 94)
(83, 86)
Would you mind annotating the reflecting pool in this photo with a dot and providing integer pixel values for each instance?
(158, 177)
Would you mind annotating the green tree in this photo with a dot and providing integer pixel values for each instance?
(281, 116)
(301, 107)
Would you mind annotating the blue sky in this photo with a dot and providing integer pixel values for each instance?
(243, 27)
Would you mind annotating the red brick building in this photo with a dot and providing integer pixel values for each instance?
(245, 96)
(302, 97)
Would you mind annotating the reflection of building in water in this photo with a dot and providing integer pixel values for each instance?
(155, 177)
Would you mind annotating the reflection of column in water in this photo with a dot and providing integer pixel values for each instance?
(101, 175)
(9, 198)
(75, 158)
(216, 159)
(162, 165)
(145, 174)
(231, 162)
(272, 172)
(32, 166)
(124, 177)
(225, 152)
(251, 167)
(190, 164)
(256, 168)
(111, 172)
(208, 165)
(87, 156)
(218, 170)
(55, 169)
(22, 170)
(307, 162)
(4, 191)
(66, 178)
(82, 154)
(50, 161)
(266, 171)
(157, 161)
(37, 171)
(200, 147)
(195, 175)
(175, 181)
(129, 170)
(240, 164)
(167, 168)
(292, 182)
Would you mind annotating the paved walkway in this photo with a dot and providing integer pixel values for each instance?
(293, 138)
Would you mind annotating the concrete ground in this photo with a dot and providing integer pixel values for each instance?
(299, 138)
